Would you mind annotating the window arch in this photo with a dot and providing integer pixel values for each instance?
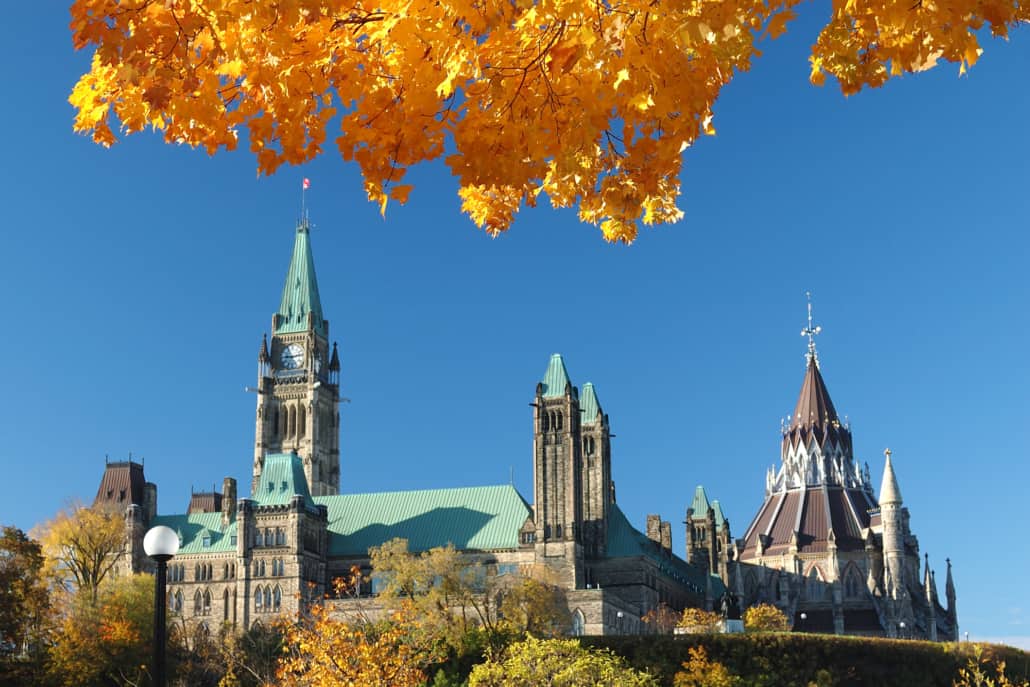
(558, 420)
(225, 605)
(544, 424)
(196, 571)
(277, 598)
(275, 422)
(280, 536)
(852, 584)
(268, 537)
(268, 599)
(293, 421)
(578, 623)
(198, 602)
(257, 599)
(178, 601)
(283, 419)
(302, 426)
(207, 602)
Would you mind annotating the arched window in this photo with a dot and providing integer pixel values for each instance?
(178, 602)
(268, 599)
(557, 531)
(225, 605)
(198, 603)
(280, 537)
(578, 623)
(558, 420)
(852, 584)
(207, 602)
(196, 571)
(257, 599)
(293, 421)
(277, 598)
(302, 426)
(275, 422)
(283, 418)
(813, 584)
(261, 568)
(268, 537)
(225, 571)
(544, 424)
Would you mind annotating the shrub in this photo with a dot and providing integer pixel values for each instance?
(765, 618)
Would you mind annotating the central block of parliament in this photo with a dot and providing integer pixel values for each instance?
(821, 542)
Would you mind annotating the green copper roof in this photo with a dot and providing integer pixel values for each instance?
(700, 503)
(282, 478)
(555, 378)
(300, 292)
(626, 541)
(589, 405)
(192, 529)
(720, 519)
(476, 518)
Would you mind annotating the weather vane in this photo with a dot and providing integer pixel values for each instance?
(810, 331)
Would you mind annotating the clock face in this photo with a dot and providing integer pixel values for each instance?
(292, 357)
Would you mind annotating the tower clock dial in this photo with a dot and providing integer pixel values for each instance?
(292, 357)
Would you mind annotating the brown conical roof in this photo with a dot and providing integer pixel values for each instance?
(814, 408)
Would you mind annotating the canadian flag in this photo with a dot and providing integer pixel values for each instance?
(307, 183)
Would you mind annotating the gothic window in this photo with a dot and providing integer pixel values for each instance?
(852, 585)
(268, 599)
(261, 568)
(283, 417)
(196, 571)
(578, 623)
(293, 421)
(257, 600)
(277, 598)
(558, 420)
(547, 531)
(257, 538)
(544, 424)
(280, 537)
(557, 531)
(813, 584)
(301, 423)
(207, 602)
(225, 571)
(268, 537)
(178, 602)
(198, 602)
(275, 422)
(225, 605)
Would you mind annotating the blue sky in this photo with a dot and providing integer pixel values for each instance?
(138, 282)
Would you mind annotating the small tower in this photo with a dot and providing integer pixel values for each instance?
(893, 544)
(298, 384)
(930, 592)
(557, 472)
(597, 472)
(949, 591)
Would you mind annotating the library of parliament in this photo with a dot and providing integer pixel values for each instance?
(823, 546)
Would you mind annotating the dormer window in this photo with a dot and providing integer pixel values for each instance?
(206, 541)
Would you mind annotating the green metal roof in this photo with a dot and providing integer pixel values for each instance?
(300, 292)
(720, 519)
(282, 478)
(700, 503)
(589, 405)
(476, 518)
(555, 378)
(193, 527)
(626, 541)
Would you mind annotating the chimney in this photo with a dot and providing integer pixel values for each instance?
(654, 528)
(228, 501)
(149, 503)
(667, 536)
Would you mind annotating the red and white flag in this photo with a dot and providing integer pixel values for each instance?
(307, 183)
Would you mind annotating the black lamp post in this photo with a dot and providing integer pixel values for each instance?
(160, 543)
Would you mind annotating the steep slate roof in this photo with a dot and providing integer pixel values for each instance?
(625, 541)
(890, 492)
(720, 519)
(282, 478)
(300, 291)
(814, 406)
(700, 503)
(479, 518)
(590, 408)
(192, 527)
(811, 512)
(121, 484)
(555, 378)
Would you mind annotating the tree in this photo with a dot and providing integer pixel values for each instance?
(82, 546)
(556, 663)
(700, 620)
(107, 642)
(662, 620)
(328, 652)
(765, 618)
(589, 103)
(700, 671)
(24, 600)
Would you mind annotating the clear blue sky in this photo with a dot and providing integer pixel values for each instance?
(137, 282)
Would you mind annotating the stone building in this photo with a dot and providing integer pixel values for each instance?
(822, 547)
(245, 560)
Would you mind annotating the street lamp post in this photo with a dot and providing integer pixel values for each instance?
(160, 543)
(901, 625)
(804, 617)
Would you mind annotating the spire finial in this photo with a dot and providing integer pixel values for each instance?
(810, 331)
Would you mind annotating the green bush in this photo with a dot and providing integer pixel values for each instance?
(801, 660)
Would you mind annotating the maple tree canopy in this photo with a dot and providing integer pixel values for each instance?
(589, 102)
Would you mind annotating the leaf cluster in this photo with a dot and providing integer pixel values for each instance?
(765, 618)
(699, 620)
(589, 104)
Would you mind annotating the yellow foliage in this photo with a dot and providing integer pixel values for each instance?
(590, 103)
(699, 620)
(82, 546)
(700, 671)
(977, 673)
(765, 618)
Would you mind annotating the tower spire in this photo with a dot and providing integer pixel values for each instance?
(810, 331)
(300, 301)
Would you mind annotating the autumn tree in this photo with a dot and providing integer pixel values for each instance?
(107, 642)
(82, 546)
(24, 600)
(699, 620)
(765, 618)
(701, 671)
(591, 104)
(661, 619)
(330, 652)
(536, 662)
